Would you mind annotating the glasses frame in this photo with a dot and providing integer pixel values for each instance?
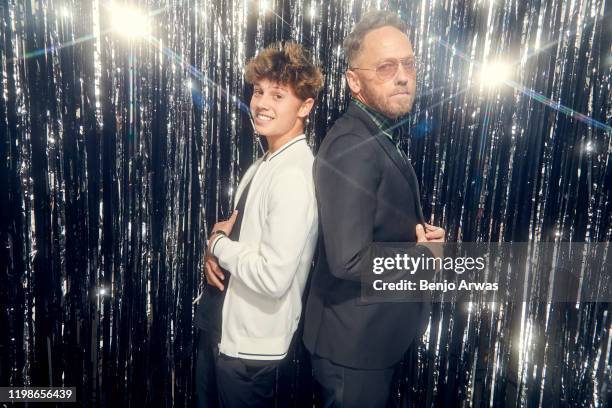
(397, 63)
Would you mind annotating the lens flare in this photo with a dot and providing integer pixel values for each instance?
(495, 73)
(130, 22)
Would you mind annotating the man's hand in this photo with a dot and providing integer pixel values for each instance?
(434, 234)
(212, 271)
(432, 239)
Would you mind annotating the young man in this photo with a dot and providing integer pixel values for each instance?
(258, 261)
(369, 206)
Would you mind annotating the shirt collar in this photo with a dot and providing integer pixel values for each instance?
(386, 125)
(268, 156)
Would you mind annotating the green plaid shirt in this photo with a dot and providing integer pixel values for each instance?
(386, 125)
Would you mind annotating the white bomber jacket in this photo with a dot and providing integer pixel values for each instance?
(271, 260)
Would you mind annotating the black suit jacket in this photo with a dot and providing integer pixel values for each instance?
(368, 202)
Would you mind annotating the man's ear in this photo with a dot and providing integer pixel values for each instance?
(305, 108)
(353, 81)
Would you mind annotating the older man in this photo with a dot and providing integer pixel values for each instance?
(368, 200)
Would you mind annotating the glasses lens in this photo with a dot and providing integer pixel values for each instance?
(387, 70)
(409, 66)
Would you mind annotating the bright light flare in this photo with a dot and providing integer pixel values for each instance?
(494, 73)
(130, 22)
(313, 11)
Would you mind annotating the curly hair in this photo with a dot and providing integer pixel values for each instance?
(370, 21)
(287, 64)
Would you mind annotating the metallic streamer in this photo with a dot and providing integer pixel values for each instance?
(123, 133)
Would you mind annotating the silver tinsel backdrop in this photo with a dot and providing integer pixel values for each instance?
(117, 154)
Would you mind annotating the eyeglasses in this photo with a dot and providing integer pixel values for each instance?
(388, 68)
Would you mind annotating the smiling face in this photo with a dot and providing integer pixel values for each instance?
(277, 111)
(393, 97)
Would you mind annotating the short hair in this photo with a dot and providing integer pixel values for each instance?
(287, 64)
(370, 21)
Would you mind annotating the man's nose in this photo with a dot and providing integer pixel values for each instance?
(403, 75)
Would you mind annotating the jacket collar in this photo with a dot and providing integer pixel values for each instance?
(297, 139)
(386, 125)
(382, 139)
(391, 150)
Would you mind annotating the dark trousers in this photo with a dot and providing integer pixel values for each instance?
(229, 382)
(344, 387)
(205, 376)
(245, 383)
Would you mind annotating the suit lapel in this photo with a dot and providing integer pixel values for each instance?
(417, 192)
(382, 139)
(387, 145)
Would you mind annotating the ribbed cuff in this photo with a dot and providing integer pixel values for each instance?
(214, 243)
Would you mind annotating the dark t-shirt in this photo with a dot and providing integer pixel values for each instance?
(210, 307)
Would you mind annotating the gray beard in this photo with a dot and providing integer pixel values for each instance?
(379, 104)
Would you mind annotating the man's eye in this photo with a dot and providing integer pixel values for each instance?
(409, 64)
(387, 66)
